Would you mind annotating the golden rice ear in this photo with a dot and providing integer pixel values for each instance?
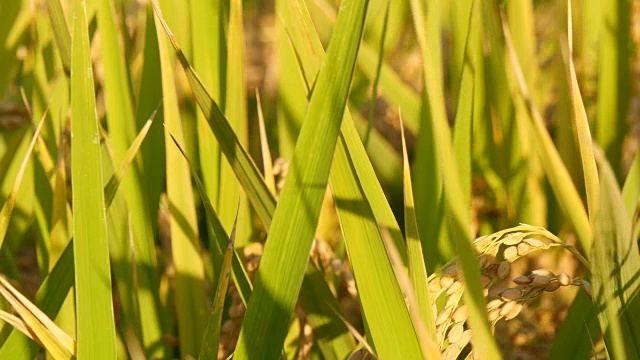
(495, 265)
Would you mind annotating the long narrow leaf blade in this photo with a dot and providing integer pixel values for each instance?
(416, 262)
(631, 188)
(121, 120)
(190, 294)
(585, 142)
(115, 180)
(95, 321)
(61, 31)
(219, 234)
(390, 327)
(615, 261)
(557, 173)
(7, 208)
(209, 349)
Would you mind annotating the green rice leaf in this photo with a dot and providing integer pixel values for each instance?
(370, 186)
(390, 328)
(122, 130)
(219, 233)
(384, 158)
(631, 188)
(60, 31)
(319, 305)
(236, 113)
(95, 322)
(574, 336)
(374, 91)
(152, 152)
(416, 262)
(614, 85)
(114, 181)
(464, 111)
(210, 60)
(556, 172)
(61, 235)
(190, 294)
(209, 348)
(615, 263)
(267, 163)
(427, 162)
(581, 321)
(261, 198)
(581, 123)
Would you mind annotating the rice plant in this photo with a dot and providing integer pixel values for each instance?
(317, 179)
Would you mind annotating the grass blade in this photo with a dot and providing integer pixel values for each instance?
(60, 32)
(95, 322)
(429, 197)
(289, 242)
(236, 113)
(631, 188)
(267, 163)
(115, 180)
(190, 296)
(374, 91)
(581, 123)
(392, 88)
(209, 349)
(319, 305)
(416, 265)
(210, 60)
(557, 173)
(219, 234)
(121, 121)
(152, 151)
(390, 328)
(614, 86)
(7, 208)
(615, 262)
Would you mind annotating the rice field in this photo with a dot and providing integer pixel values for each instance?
(319, 179)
